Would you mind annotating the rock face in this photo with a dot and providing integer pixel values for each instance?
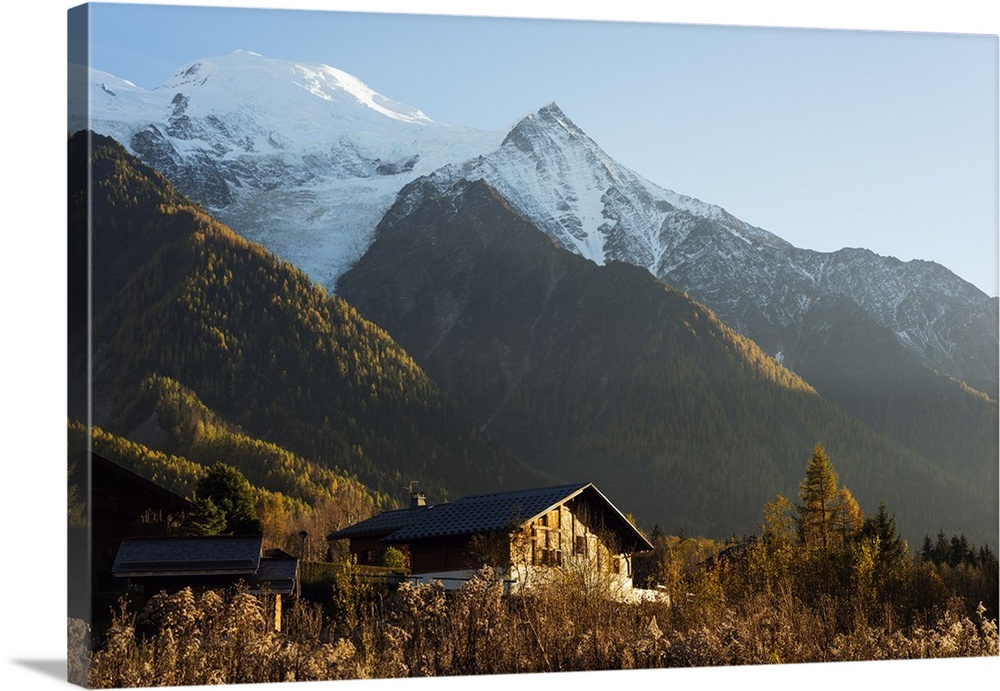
(756, 282)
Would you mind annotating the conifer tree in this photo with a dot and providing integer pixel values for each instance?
(890, 552)
(941, 548)
(817, 500)
(206, 519)
(230, 492)
(892, 548)
(848, 519)
(927, 549)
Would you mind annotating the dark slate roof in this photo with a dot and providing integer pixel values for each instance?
(383, 524)
(485, 513)
(187, 556)
(275, 553)
(99, 464)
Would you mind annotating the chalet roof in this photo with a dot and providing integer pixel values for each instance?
(384, 523)
(102, 469)
(188, 556)
(486, 513)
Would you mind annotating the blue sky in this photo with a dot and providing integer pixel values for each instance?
(829, 138)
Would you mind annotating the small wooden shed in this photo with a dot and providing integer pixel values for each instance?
(149, 565)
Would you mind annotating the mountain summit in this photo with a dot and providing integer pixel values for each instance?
(589, 203)
(559, 178)
(301, 157)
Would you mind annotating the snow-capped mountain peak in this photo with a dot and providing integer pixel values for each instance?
(241, 77)
(302, 157)
(555, 174)
(559, 178)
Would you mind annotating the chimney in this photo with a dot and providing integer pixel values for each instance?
(418, 500)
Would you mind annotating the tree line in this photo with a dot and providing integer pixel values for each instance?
(822, 550)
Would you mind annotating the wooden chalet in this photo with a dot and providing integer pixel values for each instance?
(150, 565)
(118, 503)
(528, 535)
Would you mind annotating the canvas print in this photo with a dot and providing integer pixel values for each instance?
(412, 345)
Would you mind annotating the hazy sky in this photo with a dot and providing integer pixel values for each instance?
(828, 138)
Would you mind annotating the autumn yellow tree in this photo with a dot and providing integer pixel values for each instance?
(816, 509)
(848, 519)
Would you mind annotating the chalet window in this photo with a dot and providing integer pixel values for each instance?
(366, 556)
(580, 545)
(616, 565)
(151, 516)
(548, 557)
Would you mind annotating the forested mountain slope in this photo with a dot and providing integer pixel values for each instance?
(178, 295)
(607, 373)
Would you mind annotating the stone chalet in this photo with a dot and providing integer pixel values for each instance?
(527, 535)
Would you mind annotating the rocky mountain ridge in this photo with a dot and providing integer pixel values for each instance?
(608, 373)
(759, 284)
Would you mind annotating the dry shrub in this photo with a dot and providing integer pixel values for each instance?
(480, 635)
(214, 639)
(958, 636)
(421, 612)
(559, 625)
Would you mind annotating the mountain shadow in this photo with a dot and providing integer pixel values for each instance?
(859, 364)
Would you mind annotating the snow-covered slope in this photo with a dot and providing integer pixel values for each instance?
(303, 158)
(555, 175)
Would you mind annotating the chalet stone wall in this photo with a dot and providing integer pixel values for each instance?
(568, 538)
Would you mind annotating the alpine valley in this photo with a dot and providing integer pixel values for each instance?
(397, 299)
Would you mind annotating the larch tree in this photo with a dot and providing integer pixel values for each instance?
(779, 525)
(848, 519)
(817, 501)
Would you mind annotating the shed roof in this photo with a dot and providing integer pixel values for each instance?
(276, 575)
(188, 556)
